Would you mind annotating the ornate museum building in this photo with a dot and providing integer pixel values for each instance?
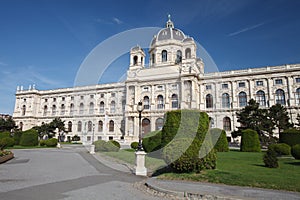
(174, 79)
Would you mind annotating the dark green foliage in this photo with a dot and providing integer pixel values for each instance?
(52, 142)
(7, 142)
(29, 138)
(183, 137)
(7, 124)
(42, 143)
(101, 145)
(296, 151)
(280, 117)
(4, 134)
(222, 142)
(152, 141)
(270, 158)
(17, 137)
(250, 141)
(116, 143)
(281, 149)
(134, 145)
(49, 128)
(290, 137)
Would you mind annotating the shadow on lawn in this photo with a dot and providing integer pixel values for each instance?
(293, 163)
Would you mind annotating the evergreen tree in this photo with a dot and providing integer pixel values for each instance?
(279, 116)
(7, 124)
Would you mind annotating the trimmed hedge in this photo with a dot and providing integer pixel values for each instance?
(290, 137)
(222, 142)
(29, 138)
(101, 145)
(7, 142)
(52, 142)
(183, 137)
(134, 145)
(296, 151)
(250, 141)
(17, 137)
(270, 158)
(152, 141)
(116, 143)
(4, 134)
(281, 149)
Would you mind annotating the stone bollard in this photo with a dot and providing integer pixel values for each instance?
(140, 169)
(92, 151)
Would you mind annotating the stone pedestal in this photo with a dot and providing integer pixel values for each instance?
(92, 151)
(140, 168)
(58, 145)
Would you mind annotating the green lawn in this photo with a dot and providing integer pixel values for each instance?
(27, 147)
(247, 169)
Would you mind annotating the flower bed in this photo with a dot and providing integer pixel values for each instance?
(5, 156)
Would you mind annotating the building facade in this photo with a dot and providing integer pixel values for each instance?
(174, 79)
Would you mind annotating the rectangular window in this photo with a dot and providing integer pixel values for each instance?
(259, 83)
(81, 97)
(102, 95)
(54, 99)
(46, 100)
(208, 87)
(72, 98)
(146, 89)
(278, 81)
(63, 98)
(225, 86)
(242, 84)
(160, 87)
(297, 80)
(113, 94)
(91, 96)
(174, 86)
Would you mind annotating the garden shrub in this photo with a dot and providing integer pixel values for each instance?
(296, 151)
(134, 145)
(52, 142)
(7, 142)
(182, 138)
(222, 143)
(42, 143)
(281, 149)
(152, 141)
(116, 143)
(250, 141)
(270, 158)
(4, 134)
(290, 137)
(101, 145)
(17, 137)
(29, 138)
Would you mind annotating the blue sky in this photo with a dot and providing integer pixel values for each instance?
(44, 42)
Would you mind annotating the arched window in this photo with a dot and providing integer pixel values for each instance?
(211, 122)
(135, 60)
(21, 126)
(178, 56)
(69, 126)
(71, 109)
(45, 110)
(164, 56)
(174, 100)
(280, 97)
(188, 53)
(79, 126)
(111, 126)
(159, 123)
(146, 102)
(113, 106)
(297, 96)
(81, 108)
(23, 110)
(261, 98)
(100, 126)
(146, 126)
(54, 110)
(101, 107)
(242, 99)
(90, 126)
(226, 124)
(62, 109)
(91, 108)
(225, 100)
(160, 102)
(209, 101)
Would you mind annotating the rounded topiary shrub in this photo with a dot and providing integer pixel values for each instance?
(296, 151)
(152, 141)
(42, 143)
(250, 141)
(222, 142)
(100, 145)
(116, 143)
(52, 142)
(7, 142)
(270, 158)
(290, 137)
(281, 149)
(134, 145)
(29, 138)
